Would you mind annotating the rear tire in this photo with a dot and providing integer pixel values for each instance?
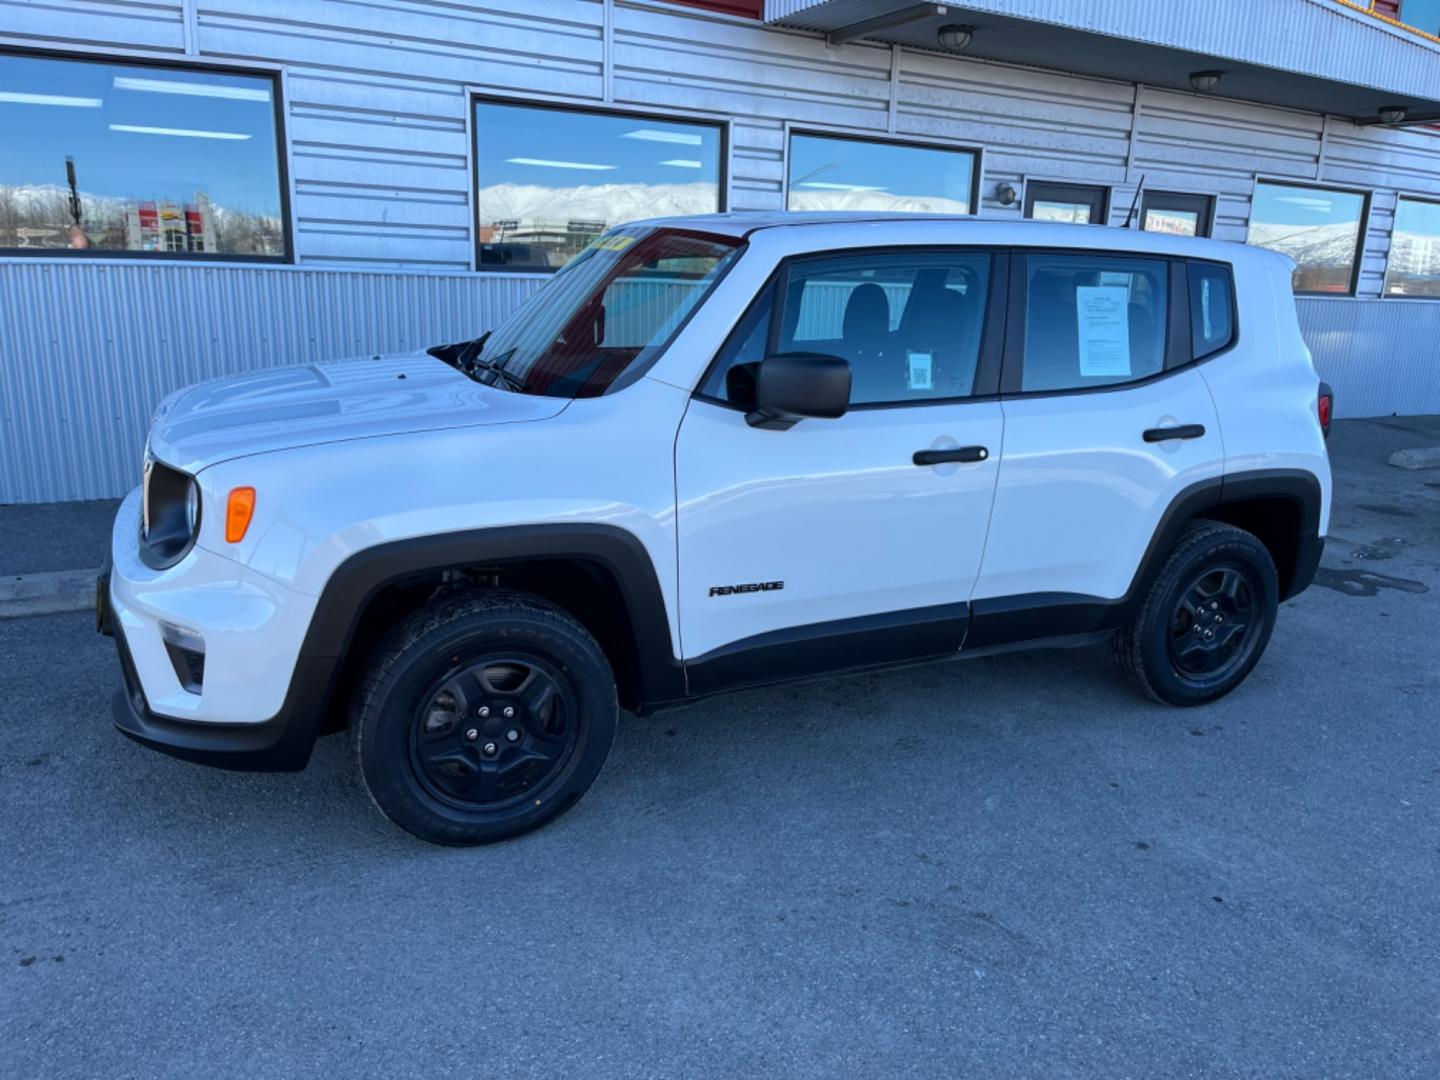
(482, 717)
(1206, 619)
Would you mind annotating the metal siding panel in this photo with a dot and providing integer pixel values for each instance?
(88, 348)
(105, 23)
(1029, 122)
(1277, 34)
(1379, 355)
(376, 109)
(690, 61)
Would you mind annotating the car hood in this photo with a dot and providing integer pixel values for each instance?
(288, 407)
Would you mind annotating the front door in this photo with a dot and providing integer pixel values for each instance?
(832, 545)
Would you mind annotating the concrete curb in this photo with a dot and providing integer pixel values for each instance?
(1425, 457)
(47, 594)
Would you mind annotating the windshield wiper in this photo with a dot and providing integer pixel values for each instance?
(498, 373)
(465, 358)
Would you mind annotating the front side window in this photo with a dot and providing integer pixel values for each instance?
(131, 158)
(1317, 227)
(1074, 204)
(909, 324)
(829, 173)
(549, 180)
(1414, 268)
(611, 309)
(1093, 321)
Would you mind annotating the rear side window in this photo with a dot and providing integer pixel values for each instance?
(1212, 309)
(909, 324)
(1093, 320)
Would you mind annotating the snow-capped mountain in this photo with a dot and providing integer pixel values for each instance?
(874, 200)
(594, 202)
(1316, 245)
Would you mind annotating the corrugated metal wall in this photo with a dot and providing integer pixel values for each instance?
(78, 385)
(377, 117)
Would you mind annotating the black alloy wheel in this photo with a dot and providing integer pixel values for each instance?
(493, 730)
(1214, 625)
(482, 716)
(1206, 617)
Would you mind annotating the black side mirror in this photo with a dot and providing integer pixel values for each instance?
(791, 386)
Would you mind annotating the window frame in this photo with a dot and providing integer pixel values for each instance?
(1186, 201)
(1062, 188)
(819, 131)
(1357, 263)
(1235, 328)
(275, 73)
(476, 95)
(1179, 349)
(1430, 199)
(988, 364)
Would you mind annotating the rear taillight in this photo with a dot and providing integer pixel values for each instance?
(1326, 407)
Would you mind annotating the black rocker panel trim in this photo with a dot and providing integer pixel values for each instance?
(869, 641)
(284, 742)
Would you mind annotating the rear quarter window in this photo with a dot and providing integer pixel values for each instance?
(1212, 308)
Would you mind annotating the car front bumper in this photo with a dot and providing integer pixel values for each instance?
(260, 703)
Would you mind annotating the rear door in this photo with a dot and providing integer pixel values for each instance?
(1107, 420)
(830, 545)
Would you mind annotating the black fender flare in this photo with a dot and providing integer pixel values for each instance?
(284, 741)
(1003, 621)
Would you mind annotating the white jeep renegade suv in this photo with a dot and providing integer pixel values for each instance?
(718, 452)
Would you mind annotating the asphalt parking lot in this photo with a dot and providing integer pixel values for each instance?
(1006, 867)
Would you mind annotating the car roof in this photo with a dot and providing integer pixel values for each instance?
(851, 228)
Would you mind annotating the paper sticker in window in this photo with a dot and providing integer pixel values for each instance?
(922, 369)
(1103, 315)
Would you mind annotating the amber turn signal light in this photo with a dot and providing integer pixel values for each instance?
(238, 512)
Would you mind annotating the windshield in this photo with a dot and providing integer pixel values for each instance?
(614, 306)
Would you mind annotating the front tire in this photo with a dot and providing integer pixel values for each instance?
(1206, 619)
(482, 717)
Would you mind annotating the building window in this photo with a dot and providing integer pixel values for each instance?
(829, 173)
(1317, 227)
(139, 159)
(550, 180)
(1414, 268)
(1076, 204)
(1176, 214)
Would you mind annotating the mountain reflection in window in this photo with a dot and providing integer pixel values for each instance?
(550, 180)
(135, 158)
(829, 173)
(1414, 268)
(1317, 227)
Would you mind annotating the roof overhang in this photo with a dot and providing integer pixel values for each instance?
(1316, 55)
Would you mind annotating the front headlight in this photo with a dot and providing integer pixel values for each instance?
(171, 518)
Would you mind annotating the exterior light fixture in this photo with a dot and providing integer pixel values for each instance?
(1006, 193)
(955, 38)
(1205, 81)
(1392, 114)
